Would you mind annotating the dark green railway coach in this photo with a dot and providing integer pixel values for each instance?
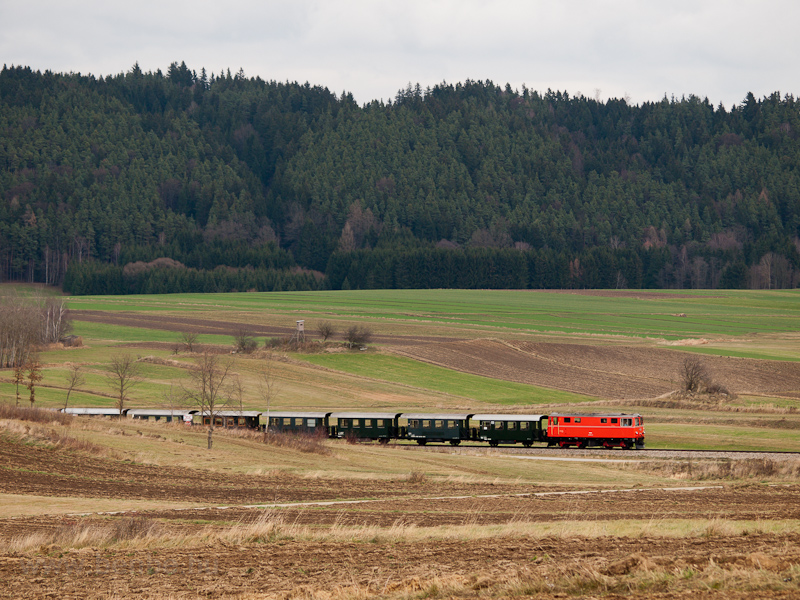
(511, 429)
(365, 426)
(424, 428)
(309, 423)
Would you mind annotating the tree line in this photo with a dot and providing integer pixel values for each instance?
(279, 180)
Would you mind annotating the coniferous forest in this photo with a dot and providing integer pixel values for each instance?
(152, 182)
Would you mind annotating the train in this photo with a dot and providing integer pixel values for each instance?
(564, 430)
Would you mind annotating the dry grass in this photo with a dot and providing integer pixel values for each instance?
(36, 415)
(51, 437)
(308, 443)
(762, 469)
(272, 526)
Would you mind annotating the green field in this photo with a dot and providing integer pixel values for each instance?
(752, 324)
(666, 315)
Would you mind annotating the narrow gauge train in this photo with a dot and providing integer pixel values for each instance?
(607, 430)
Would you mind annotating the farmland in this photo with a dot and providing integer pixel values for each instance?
(124, 509)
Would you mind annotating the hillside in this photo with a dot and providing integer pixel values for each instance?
(250, 184)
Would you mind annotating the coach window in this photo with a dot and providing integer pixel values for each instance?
(555, 420)
(356, 423)
(439, 424)
(498, 424)
(344, 423)
(414, 423)
(242, 422)
(367, 422)
(312, 422)
(218, 421)
(524, 425)
(287, 421)
(512, 425)
(426, 423)
(206, 420)
(379, 423)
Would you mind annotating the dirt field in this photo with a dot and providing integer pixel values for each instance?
(393, 559)
(614, 372)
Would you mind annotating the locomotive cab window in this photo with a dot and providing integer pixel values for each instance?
(627, 422)
(604, 420)
(614, 421)
(577, 419)
(567, 419)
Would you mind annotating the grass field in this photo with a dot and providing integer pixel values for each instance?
(751, 324)
(726, 314)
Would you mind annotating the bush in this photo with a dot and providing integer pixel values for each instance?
(358, 335)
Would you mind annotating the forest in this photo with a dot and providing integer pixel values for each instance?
(185, 181)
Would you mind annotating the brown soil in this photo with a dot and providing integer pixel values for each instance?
(614, 372)
(549, 567)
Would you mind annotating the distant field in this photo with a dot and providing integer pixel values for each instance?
(671, 315)
(412, 372)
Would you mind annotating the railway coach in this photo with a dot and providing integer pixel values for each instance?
(511, 429)
(607, 430)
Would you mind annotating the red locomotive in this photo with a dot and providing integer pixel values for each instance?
(606, 430)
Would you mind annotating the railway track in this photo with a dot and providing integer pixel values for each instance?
(617, 453)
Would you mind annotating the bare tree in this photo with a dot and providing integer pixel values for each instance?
(55, 320)
(244, 340)
(19, 331)
(207, 382)
(694, 374)
(75, 378)
(19, 377)
(358, 335)
(326, 330)
(235, 391)
(268, 385)
(123, 373)
(189, 339)
(34, 369)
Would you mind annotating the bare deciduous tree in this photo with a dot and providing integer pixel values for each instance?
(34, 369)
(123, 374)
(694, 374)
(19, 331)
(207, 382)
(326, 330)
(268, 385)
(189, 339)
(244, 341)
(357, 335)
(75, 378)
(55, 321)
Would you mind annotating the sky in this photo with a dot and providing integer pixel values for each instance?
(639, 50)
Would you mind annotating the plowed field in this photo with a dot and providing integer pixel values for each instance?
(614, 372)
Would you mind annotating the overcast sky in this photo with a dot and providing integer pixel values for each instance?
(719, 49)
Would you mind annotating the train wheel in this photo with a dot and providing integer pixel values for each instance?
(581, 445)
(383, 441)
(422, 442)
(494, 443)
(563, 445)
(455, 442)
(527, 444)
